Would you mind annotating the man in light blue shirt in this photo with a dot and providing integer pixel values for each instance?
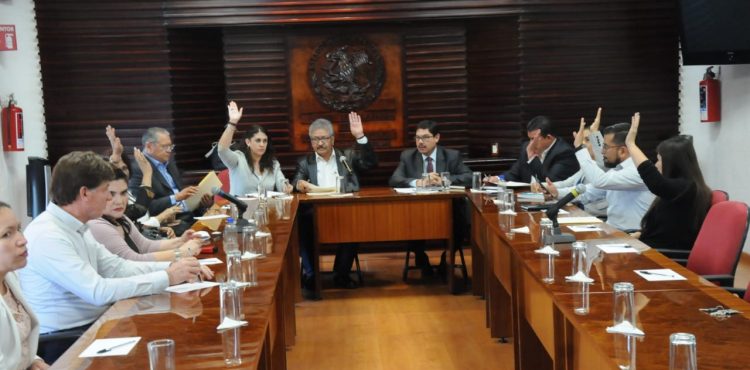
(71, 279)
(627, 196)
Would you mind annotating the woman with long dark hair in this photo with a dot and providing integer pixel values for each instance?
(255, 163)
(121, 236)
(682, 196)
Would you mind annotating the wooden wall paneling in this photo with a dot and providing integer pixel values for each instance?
(436, 83)
(621, 55)
(102, 63)
(198, 100)
(260, 12)
(494, 110)
(257, 78)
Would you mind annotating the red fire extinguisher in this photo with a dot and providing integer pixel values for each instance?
(12, 121)
(710, 98)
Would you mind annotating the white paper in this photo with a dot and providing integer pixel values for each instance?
(229, 323)
(579, 277)
(210, 261)
(319, 189)
(547, 250)
(330, 195)
(189, 287)
(616, 248)
(484, 191)
(584, 228)
(250, 255)
(626, 328)
(99, 344)
(206, 185)
(562, 212)
(660, 275)
(269, 194)
(209, 218)
(521, 230)
(579, 220)
(516, 184)
(405, 190)
(508, 212)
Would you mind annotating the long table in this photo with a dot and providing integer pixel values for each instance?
(381, 214)
(190, 319)
(546, 331)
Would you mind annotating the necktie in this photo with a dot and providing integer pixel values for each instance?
(430, 169)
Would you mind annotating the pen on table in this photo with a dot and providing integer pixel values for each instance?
(105, 350)
(656, 273)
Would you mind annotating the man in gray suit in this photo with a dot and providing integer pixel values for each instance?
(322, 168)
(432, 159)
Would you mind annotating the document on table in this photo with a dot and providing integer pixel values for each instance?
(110, 347)
(579, 220)
(584, 228)
(189, 287)
(660, 275)
(516, 184)
(616, 248)
(521, 230)
(210, 261)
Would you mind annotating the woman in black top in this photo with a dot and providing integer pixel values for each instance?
(682, 196)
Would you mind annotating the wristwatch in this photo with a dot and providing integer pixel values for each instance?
(177, 254)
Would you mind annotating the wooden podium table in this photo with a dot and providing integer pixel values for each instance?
(381, 214)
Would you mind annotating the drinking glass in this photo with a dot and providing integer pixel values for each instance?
(582, 299)
(548, 268)
(546, 234)
(578, 258)
(230, 340)
(476, 180)
(623, 303)
(446, 179)
(682, 352)
(161, 354)
(230, 301)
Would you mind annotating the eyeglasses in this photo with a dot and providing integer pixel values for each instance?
(608, 147)
(319, 139)
(166, 148)
(423, 138)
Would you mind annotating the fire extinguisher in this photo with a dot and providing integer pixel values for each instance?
(12, 121)
(710, 98)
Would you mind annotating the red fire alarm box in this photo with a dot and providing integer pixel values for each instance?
(8, 37)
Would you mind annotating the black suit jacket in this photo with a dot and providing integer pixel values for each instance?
(411, 166)
(161, 189)
(361, 157)
(559, 164)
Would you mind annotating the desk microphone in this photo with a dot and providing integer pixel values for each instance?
(241, 206)
(552, 214)
(342, 159)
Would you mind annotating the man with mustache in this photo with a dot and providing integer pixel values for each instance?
(322, 168)
(430, 158)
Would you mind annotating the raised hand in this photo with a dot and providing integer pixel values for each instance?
(597, 121)
(355, 125)
(633, 132)
(114, 142)
(142, 161)
(578, 135)
(234, 114)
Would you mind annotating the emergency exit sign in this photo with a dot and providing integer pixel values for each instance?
(8, 37)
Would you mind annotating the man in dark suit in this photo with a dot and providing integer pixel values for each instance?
(543, 156)
(322, 169)
(166, 184)
(432, 159)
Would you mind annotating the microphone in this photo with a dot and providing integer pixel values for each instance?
(552, 214)
(241, 206)
(342, 159)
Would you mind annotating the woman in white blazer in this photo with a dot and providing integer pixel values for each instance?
(18, 325)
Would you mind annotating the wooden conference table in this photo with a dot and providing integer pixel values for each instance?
(546, 331)
(190, 319)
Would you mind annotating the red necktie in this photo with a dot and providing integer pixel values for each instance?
(430, 169)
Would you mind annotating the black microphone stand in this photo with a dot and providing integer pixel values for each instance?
(557, 236)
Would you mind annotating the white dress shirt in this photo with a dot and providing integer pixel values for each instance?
(328, 171)
(628, 198)
(71, 279)
(594, 204)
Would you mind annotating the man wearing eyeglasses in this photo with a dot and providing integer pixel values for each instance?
(627, 196)
(166, 185)
(322, 169)
(431, 159)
